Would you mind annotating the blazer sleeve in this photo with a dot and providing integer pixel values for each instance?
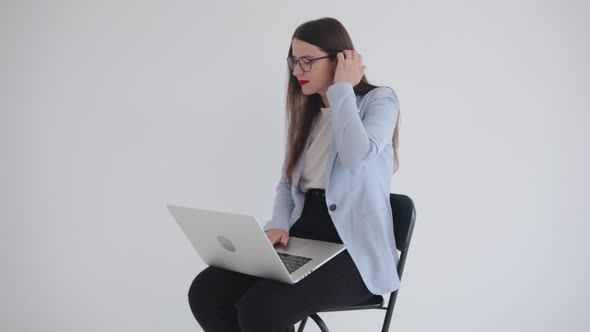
(359, 140)
(283, 202)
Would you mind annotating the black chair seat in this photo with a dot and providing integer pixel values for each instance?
(372, 303)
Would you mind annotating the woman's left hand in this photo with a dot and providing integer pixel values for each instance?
(349, 68)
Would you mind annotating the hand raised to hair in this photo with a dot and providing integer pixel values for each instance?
(350, 67)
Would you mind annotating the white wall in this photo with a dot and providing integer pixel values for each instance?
(112, 109)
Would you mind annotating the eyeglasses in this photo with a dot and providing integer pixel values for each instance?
(304, 63)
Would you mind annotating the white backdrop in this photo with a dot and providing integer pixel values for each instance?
(112, 109)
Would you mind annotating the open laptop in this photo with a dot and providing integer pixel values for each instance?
(237, 242)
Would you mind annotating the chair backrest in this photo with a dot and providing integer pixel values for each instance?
(404, 218)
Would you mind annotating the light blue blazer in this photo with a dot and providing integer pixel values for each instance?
(358, 178)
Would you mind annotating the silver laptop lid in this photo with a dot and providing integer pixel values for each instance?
(232, 241)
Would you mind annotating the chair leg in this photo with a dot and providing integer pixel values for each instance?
(320, 323)
(302, 325)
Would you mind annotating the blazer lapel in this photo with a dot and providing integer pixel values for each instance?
(330, 163)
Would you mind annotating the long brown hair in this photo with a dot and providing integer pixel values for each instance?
(301, 111)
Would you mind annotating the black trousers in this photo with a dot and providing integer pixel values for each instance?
(226, 301)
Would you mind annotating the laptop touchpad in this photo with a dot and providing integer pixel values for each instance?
(293, 245)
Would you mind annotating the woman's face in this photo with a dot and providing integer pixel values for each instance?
(321, 75)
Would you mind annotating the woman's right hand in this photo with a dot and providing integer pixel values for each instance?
(276, 235)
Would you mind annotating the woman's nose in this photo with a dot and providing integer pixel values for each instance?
(297, 70)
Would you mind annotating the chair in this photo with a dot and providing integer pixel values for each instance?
(404, 218)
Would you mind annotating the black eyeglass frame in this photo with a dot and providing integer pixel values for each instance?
(311, 60)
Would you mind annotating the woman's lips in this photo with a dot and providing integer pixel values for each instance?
(302, 82)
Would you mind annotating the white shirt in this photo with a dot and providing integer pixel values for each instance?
(314, 162)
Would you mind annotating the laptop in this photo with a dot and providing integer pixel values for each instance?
(237, 242)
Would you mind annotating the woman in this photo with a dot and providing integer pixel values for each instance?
(334, 186)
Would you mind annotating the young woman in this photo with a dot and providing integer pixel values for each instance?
(335, 183)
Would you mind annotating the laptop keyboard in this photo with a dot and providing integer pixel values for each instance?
(293, 262)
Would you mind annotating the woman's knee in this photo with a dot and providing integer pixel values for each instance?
(218, 287)
(200, 290)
